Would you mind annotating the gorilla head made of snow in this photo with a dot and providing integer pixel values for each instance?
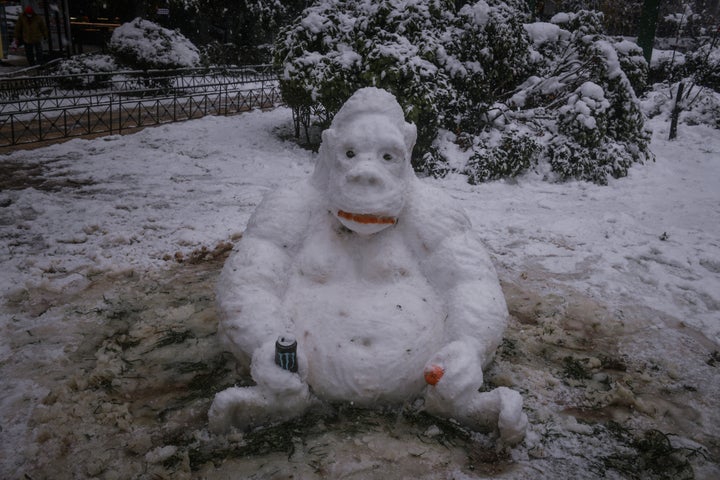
(378, 281)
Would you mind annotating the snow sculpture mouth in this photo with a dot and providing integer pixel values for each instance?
(367, 218)
(365, 223)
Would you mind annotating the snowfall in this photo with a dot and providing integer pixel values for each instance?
(109, 359)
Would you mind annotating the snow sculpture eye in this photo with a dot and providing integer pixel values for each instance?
(387, 157)
(349, 154)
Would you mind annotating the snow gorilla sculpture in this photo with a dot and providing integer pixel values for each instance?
(379, 277)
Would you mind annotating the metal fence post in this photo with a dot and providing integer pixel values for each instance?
(262, 92)
(39, 120)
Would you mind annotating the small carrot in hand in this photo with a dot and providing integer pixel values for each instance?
(433, 374)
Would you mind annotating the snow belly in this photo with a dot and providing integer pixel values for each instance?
(367, 343)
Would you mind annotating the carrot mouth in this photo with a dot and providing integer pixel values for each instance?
(367, 219)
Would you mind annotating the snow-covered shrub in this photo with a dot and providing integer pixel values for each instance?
(341, 45)
(584, 22)
(704, 109)
(487, 55)
(600, 129)
(632, 63)
(240, 32)
(590, 146)
(432, 163)
(666, 66)
(477, 72)
(141, 44)
(430, 58)
(584, 117)
(596, 164)
(704, 63)
(80, 71)
(513, 155)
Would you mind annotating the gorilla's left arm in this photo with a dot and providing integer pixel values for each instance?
(457, 265)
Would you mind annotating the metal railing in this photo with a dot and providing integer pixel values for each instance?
(37, 109)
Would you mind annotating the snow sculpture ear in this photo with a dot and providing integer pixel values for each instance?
(410, 133)
(328, 137)
(325, 156)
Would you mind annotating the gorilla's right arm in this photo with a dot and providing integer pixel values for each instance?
(254, 277)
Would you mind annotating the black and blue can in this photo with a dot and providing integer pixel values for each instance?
(286, 353)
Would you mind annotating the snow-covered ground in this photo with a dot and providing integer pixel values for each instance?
(109, 249)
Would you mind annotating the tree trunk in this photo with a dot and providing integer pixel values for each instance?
(532, 6)
(677, 108)
(648, 24)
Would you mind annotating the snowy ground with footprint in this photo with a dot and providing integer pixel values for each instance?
(110, 249)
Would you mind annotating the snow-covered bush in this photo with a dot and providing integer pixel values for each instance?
(341, 45)
(141, 44)
(473, 72)
(666, 66)
(704, 63)
(632, 63)
(80, 71)
(486, 54)
(420, 50)
(703, 109)
(597, 164)
(599, 129)
(585, 22)
(513, 155)
(585, 115)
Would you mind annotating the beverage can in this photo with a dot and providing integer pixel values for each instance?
(286, 353)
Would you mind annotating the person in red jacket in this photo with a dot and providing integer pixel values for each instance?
(30, 30)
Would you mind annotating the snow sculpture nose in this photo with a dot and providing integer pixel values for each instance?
(366, 175)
